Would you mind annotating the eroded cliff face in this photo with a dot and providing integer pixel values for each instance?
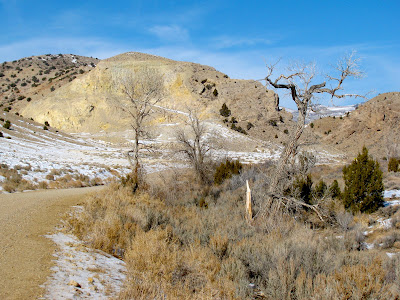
(90, 103)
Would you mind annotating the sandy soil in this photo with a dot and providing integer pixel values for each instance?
(25, 254)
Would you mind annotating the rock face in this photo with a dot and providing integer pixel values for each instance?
(375, 124)
(88, 104)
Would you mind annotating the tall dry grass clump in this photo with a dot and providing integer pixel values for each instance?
(184, 241)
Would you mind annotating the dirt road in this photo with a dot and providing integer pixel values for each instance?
(25, 255)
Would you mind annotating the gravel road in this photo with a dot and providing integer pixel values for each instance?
(25, 255)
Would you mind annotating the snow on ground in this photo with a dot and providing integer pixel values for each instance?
(40, 152)
(391, 194)
(384, 223)
(81, 272)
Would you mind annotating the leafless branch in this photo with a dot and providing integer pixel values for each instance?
(143, 89)
(300, 82)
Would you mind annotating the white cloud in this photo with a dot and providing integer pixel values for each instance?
(171, 33)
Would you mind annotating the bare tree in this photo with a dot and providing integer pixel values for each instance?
(195, 149)
(300, 82)
(142, 89)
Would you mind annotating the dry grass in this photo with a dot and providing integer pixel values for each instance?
(177, 248)
(14, 181)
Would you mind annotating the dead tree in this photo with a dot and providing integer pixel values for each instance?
(300, 82)
(143, 89)
(195, 149)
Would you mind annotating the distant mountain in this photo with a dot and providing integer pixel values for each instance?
(321, 111)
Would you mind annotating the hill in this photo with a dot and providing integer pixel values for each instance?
(32, 78)
(375, 124)
(87, 104)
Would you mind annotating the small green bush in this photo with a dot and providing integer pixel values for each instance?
(302, 188)
(215, 93)
(249, 126)
(46, 123)
(312, 125)
(334, 190)
(225, 111)
(226, 170)
(286, 131)
(272, 122)
(320, 189)
(7, 124)
(363, 190)
(393, 165)
(1, 134)
(238, 129)
(45, 127)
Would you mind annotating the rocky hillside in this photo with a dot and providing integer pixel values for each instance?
(87, 104)
(32, 78)
(375, 124)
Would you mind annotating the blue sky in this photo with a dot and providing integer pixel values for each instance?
(236, 37)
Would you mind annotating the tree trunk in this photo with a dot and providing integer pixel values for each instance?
(289, 151)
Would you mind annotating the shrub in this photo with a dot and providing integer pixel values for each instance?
(393, 165)
(286, 131)
(1, 134)
(249, 126)
(215, 92)
(334, 190)
(320, 189)
(52, 89)
(272, 122)
(238, 129)
(363, 184)
(21, 97)
(302, 189)
(226, 170)
(225, 111)
(46, 124)
(312, 125)
(7, 124)
(45, 127)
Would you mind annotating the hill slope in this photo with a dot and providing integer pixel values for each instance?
(32, 78)
(87, 103)
(375, 124)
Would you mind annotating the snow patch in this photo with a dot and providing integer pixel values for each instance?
(99, 274)
(391, 194)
